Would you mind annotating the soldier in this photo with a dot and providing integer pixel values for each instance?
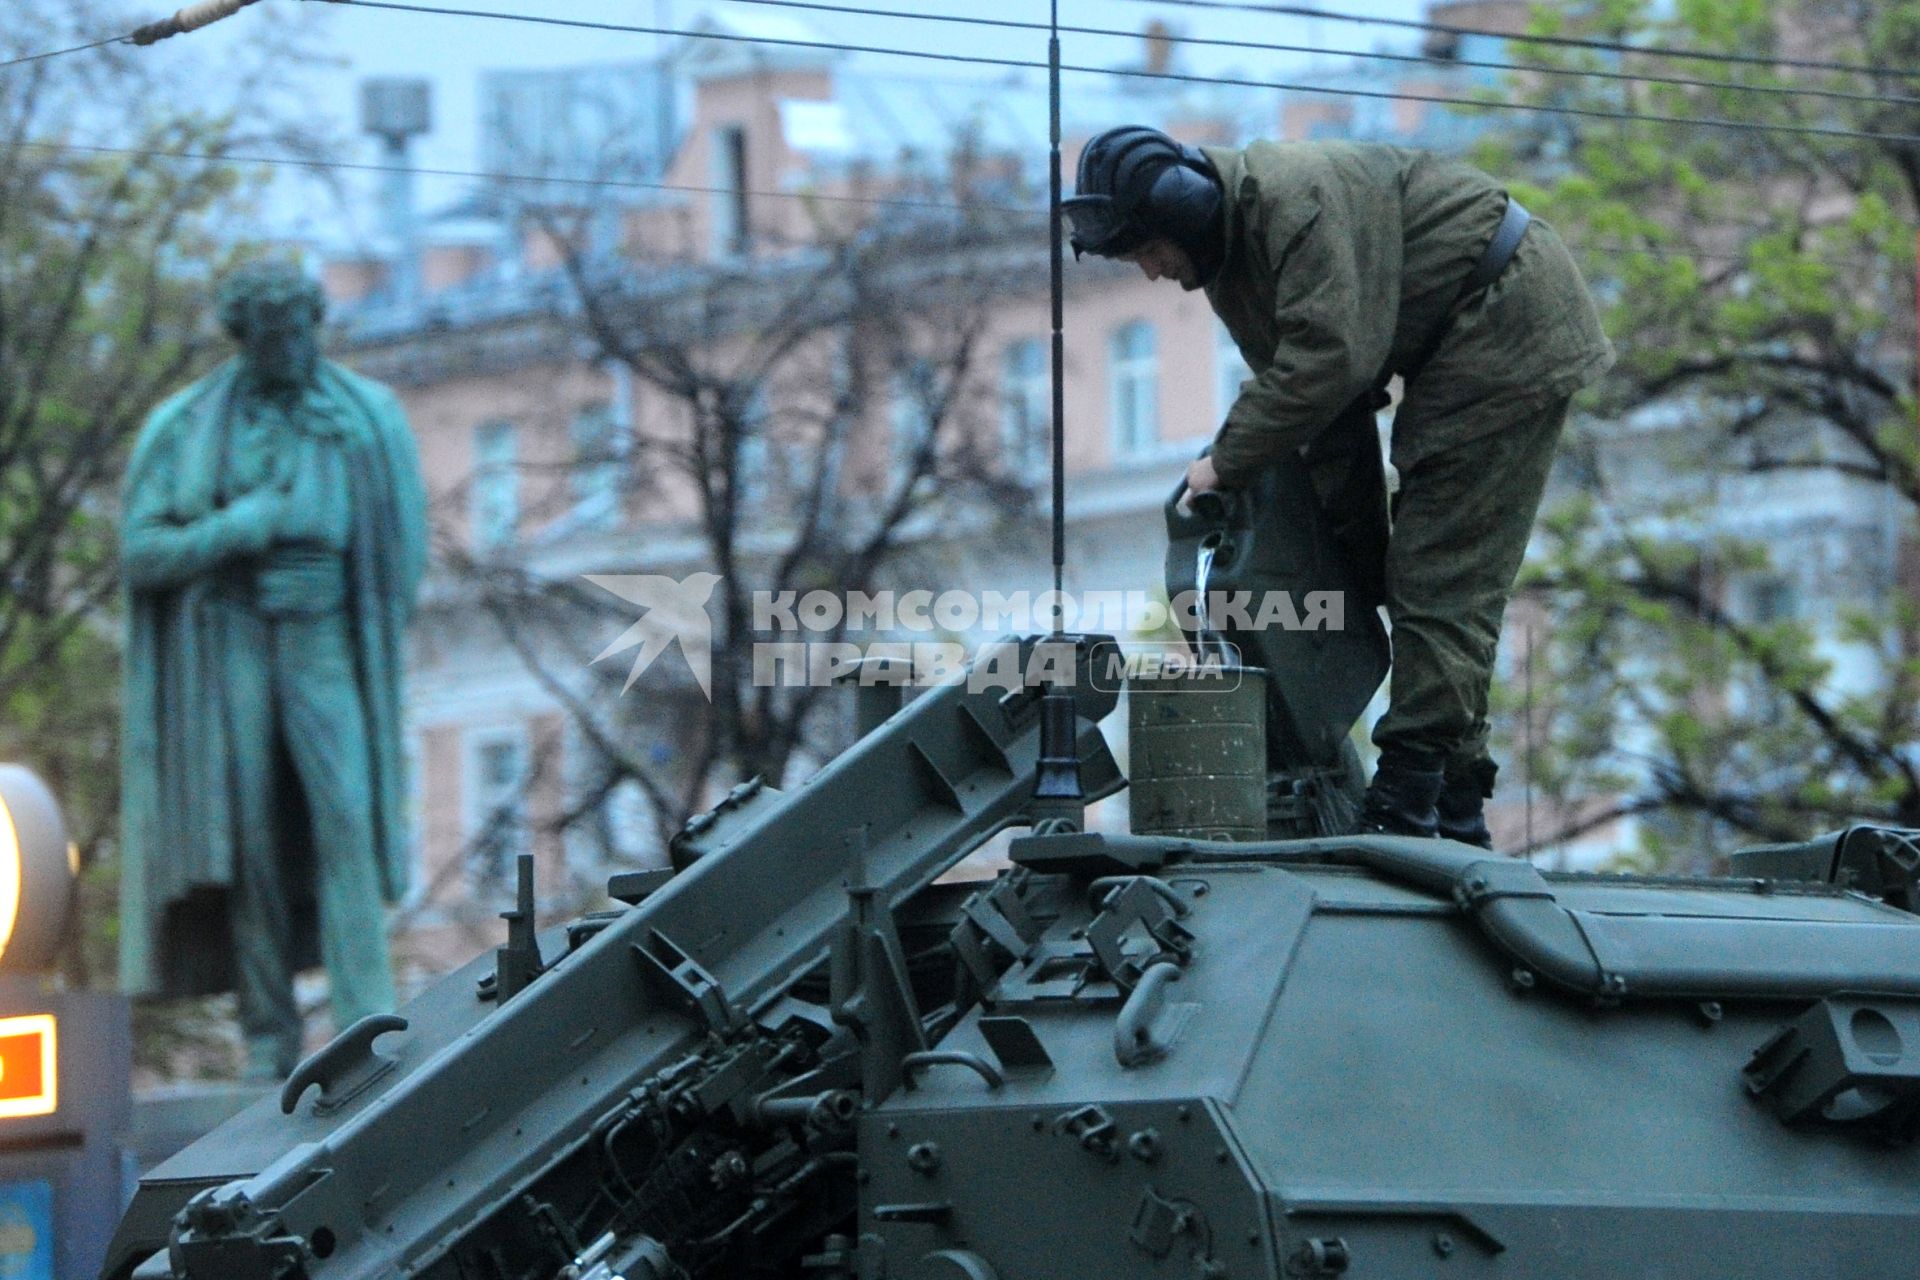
(1334, 266)
(275, 534)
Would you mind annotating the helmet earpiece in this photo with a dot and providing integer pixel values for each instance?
(1135, 184)
(1178, 196)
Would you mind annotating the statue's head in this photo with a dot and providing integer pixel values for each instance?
(273, 310)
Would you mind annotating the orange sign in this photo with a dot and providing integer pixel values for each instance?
(28, 1084)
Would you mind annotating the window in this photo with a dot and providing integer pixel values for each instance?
(727, 173)
(598, 465)
(915, 396)
(497, 808)
(1230, 370)
(1134, 389)
(494, 500)
(1025, 405)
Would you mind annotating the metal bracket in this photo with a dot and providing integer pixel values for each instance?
(996, 917)
(1141, 903)
(679, 978)
(1847, 1060)
(1094, 1128)
(1157, 1223)
(871, 993)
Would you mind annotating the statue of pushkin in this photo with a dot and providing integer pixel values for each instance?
(273, 543)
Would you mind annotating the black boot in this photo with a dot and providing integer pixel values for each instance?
(1400, 800)
(1461, 806)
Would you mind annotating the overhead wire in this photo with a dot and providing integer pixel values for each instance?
(1615, 248)
(845, 198)
(1376, 55)
(1590, 113)
(1286, 10)
(1597, 113)
(191, 18)
(302, 162)
(58, 53)
(1546, 38)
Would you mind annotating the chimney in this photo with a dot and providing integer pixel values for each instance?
(1159, 41)
(396, 111)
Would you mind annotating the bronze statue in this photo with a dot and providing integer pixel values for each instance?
(274, 539)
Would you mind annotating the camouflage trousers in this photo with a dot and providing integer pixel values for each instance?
(1461, 521)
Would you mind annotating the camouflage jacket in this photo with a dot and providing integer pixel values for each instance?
(1343, 261)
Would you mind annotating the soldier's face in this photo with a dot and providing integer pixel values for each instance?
(1162, 259)
(279, 345)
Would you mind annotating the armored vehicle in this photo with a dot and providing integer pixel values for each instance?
(808, 1054)
(1148, 1053)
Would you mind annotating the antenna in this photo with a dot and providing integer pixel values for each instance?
(1058, 289)
(1059, 803)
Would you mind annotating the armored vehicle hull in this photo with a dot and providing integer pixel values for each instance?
(1369, 1077)
(1123, 1057)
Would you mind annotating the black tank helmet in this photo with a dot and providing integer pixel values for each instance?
(1135, 184)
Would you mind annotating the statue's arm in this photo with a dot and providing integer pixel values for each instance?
(157, 552)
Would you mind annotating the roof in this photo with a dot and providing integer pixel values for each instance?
(890, 120)
(708, 58)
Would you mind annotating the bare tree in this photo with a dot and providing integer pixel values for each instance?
(107, 257)
(815, 411)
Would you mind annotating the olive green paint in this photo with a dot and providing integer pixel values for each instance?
(1343, 262)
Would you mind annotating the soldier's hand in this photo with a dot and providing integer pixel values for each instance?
(1201, 478)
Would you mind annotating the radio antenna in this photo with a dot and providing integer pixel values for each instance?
(1059, 803)
(1058, 289)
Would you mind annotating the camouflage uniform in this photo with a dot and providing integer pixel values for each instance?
(1343, 263)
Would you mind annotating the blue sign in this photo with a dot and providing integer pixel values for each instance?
(26, 1231)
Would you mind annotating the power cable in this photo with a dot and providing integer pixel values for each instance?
(58, 53)
(191, 18)
(1583, 247)
(1567, 42)
(1378, 55)
(1593, 113)
(298, 162)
